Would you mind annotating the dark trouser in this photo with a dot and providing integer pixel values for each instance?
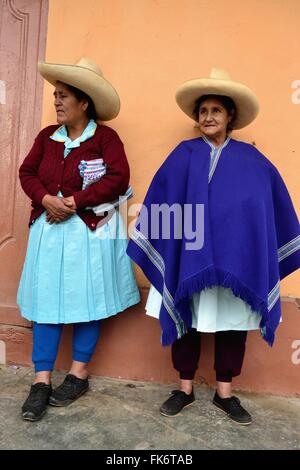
(229, 354)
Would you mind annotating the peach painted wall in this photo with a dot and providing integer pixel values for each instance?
(148, 47)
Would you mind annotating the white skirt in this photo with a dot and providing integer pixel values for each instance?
(215, 309)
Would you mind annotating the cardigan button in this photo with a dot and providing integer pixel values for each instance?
(62, 162)
(58, 185)
(93, 225)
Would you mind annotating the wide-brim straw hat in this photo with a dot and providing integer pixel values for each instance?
(219, 83)
(88, 77)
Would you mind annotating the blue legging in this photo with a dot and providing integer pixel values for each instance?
(46, 339)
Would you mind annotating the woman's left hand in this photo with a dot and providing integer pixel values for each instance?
(69, 202)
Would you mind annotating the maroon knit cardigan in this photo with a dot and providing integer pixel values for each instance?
(46, 171)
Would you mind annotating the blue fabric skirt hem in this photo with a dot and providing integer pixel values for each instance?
(82, 319)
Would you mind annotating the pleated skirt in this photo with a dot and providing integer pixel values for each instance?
(72, 274)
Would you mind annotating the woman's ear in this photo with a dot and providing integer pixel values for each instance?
(230, 116)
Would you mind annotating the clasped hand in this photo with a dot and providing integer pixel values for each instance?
(58, 208)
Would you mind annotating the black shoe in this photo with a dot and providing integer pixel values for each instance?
(71, 389)
(233, 408)
(36, 403)
(176, 403)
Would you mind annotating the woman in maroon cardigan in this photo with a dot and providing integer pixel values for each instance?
(76, 269)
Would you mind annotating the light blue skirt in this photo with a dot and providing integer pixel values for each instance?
(72, 274)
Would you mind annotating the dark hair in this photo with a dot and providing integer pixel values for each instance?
(226, 101)
(82, 96)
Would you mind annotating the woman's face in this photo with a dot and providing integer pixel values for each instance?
(213, 118)
(69, 111)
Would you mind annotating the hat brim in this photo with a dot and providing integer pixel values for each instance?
(103, 94)
(245, 100)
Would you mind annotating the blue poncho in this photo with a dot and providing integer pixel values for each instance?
(250, 229)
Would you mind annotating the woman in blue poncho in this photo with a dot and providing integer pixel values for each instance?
(232, 237)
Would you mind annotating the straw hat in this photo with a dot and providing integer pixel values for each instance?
(87, 76)
(219, 83)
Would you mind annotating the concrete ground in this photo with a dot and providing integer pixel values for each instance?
(123, 415)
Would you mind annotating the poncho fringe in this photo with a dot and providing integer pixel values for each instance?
(214, 277)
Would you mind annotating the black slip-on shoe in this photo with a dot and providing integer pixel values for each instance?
(36, 403)
(71, 389)
(233, 408)
(176, 403)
